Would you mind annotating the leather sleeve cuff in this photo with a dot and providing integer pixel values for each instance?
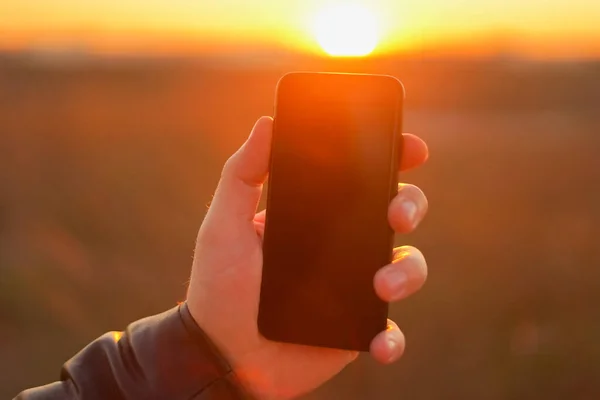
(166, 356)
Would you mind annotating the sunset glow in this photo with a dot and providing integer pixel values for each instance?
(340, 27)
(346, 30)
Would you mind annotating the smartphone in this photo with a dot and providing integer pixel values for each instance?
(333, 172)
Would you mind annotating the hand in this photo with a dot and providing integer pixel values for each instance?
(223, 295)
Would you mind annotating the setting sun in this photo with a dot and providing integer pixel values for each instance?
(346, 30)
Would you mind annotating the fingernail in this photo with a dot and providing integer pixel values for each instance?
(396, 280)
(410, 209)
(352, 355)
(392, 346)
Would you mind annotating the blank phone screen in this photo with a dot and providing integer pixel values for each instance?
(332, 174)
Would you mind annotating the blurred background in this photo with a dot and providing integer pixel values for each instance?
(116, 117)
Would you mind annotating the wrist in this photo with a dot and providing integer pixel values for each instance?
(238, 382)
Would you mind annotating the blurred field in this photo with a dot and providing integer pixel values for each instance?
(106, 169)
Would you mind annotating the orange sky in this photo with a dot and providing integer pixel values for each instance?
(534, 27)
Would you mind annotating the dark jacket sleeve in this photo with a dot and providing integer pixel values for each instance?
(166, 357)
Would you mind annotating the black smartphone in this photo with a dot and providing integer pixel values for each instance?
(333, 171)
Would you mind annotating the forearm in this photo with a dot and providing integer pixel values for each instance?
(166, 356)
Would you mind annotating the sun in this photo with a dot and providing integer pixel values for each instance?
(346, 30)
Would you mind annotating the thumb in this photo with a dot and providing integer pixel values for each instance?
(243, 175)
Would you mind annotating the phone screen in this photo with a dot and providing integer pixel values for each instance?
(332, 174)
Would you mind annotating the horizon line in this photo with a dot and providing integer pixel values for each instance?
(279, 54)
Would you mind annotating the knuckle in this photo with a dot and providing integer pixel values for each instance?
(230, 166)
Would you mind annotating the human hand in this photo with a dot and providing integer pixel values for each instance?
(223, 295)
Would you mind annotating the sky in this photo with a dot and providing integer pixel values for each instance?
(553, 28)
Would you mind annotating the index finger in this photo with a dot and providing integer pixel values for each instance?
(414, 152)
